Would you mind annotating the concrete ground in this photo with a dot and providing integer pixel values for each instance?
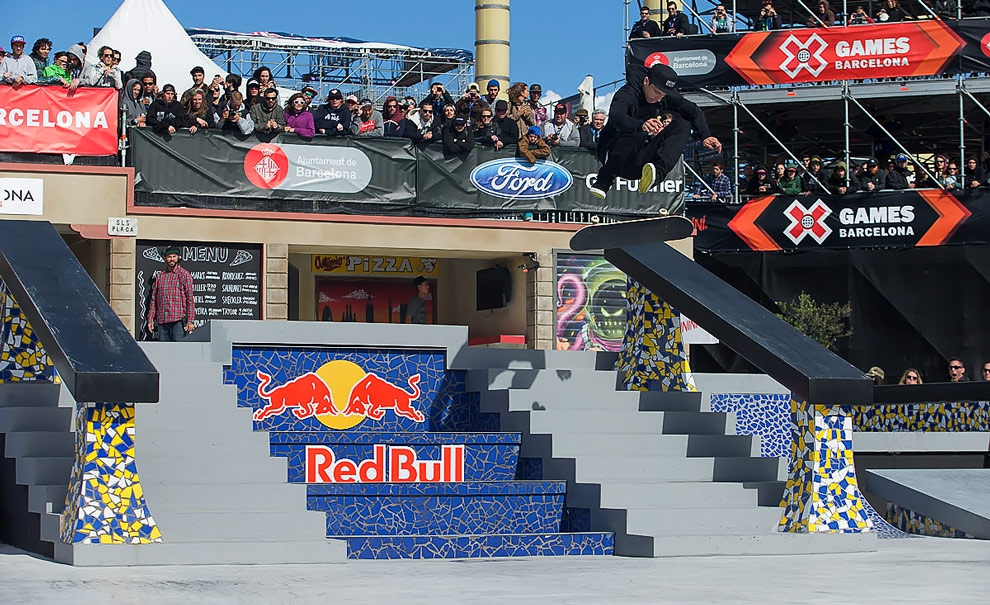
(920, 570)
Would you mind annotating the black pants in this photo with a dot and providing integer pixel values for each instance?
(627, 155)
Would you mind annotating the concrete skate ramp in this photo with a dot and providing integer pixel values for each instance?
(959, 498)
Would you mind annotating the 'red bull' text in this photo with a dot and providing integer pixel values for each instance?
(388, 464)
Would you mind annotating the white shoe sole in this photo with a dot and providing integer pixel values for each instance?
(595, 191)
(648, 178)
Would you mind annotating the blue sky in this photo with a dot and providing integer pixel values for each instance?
(555, 44)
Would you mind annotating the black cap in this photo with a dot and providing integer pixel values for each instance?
(416, 282)
(335, 94)
(501, 104)
(168, 87)
(196, 70)
(872, 162)
(459, 121)
(171, 249)
(560, 108)
(663, 77)
(535, 88)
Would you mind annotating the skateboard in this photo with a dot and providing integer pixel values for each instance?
(631, 233)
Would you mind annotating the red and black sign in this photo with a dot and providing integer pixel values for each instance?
(802, 55)
(930, 217)
(50, 119)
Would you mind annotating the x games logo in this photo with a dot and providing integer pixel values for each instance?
(807, 222)
(805, 55)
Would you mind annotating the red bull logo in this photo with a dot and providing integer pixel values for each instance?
(340, 394)
(388, 464)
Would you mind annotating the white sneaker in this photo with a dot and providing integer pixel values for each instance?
(649, 177)
(599, 193)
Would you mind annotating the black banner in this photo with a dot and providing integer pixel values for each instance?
(896, 219)
(804, 55)
(372, 176)
(226, 279)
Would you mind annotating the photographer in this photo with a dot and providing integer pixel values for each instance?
(561, 131)
(438, 97)
(721, 22)
(768, 19)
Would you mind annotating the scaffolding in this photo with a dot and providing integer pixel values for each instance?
(373, 70)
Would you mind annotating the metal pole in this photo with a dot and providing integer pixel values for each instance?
(962, 133)
(698, 176)
(845, 102)
(962, 87)
(735, 144)
(625, 27)
(813, 15)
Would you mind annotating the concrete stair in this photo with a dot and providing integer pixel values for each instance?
(666, 477)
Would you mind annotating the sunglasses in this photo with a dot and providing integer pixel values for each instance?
(391, 106)
(425, 111)
(955, 367)
(986, 370)
(271, 98)
(911, 378)
(299, 102)
(105, 55)
(486, 115)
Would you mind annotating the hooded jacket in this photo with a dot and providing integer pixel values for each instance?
(161, 115)
(629, 111)
(827, 16)
(142, 66)
(131, 105)
(326, 118)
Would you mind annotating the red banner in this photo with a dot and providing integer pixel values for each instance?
(50, 119)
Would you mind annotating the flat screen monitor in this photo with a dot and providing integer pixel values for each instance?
(494, 288)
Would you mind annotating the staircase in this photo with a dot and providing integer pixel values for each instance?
(666, 477)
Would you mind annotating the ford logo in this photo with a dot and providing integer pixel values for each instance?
(513, 179)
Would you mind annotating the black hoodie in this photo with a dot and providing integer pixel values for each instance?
(161, 115)
(629, 110)
(143, 66)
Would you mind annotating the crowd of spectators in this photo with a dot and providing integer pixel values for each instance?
(911, 376)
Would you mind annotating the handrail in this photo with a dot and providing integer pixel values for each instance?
(96, 357)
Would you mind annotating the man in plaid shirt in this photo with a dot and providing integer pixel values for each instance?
(719, 187)
(172, 308)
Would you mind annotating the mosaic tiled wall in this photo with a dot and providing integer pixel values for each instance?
(822, 494)
(105, 503)
(652, 357)
(911, 522)
(21, 355)
(937, 417)
(765, 414)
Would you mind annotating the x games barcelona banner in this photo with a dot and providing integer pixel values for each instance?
(51, 119)
(803, 55)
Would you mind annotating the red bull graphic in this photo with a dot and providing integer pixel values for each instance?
(340, 395)
(388, 464)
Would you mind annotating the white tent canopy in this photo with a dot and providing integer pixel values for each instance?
(148, 25)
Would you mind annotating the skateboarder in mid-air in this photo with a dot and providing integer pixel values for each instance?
(637, 142)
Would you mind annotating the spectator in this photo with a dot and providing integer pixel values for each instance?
(533, 147)
(263, 75)
(77, 58)
(268, 116)
(821, 16)
(520, 109)
(938, 170)
(790, 183)
(172, 309)
(368, 122)
(235, 117)
(351, 102)
(873, 179)
(813, 181)
(425, 125)
(200, 113)
(676, 23)
(778, 172)
(3, 53)
(761, 183)
(198, 76)
(836, 183)
(645, 27)
(508, 128)
(768, 18)
(891, 12)
(722, 23)
(253, 94)
(333, 119)
(877, 374)
(149, 91)
(297, 119)
(986, 370)
(395, 118)
(438, 97)
(859, 16)
(103, 74)
(214, 96)
(449, 111)
(309, 93)
(957, 370)
(560, 131)
(116, 58)
(719, 187)
(589, 133)
(910, 376)
(231, 83)
(946, 9)
(975, 176)
(39, 54)
(580, 118)
(539, 110)
(471, 105)
(166, 114)
(486, 133)
(458, 140)
(57, 72)
(17, 68)
(493, 89)
(130, 103)
(142, 66)
(899, 177)
(951, 180)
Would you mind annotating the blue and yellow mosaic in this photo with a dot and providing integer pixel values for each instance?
(22, 357)
(652, 357)
(937, 417)
(911, 522)
(765, 414)
(105, 502)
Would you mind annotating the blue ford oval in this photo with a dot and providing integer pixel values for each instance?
(515, 179)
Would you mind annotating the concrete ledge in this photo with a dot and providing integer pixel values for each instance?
(864, 442)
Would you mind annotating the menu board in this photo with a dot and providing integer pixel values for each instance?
(226, 279)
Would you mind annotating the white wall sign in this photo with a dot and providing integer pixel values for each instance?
(122, 226)
(693, 334)
(22, 196)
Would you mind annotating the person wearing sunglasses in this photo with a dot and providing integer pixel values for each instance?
(910, 376)
(268, 116)
(297, 119)
(986, 371)
(103, 74)
(395, 118)
(425, 124)
(957, 370)
(333, 118)
(486, 133)
(58, 72)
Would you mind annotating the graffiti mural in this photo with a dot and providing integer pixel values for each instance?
(591, 303)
